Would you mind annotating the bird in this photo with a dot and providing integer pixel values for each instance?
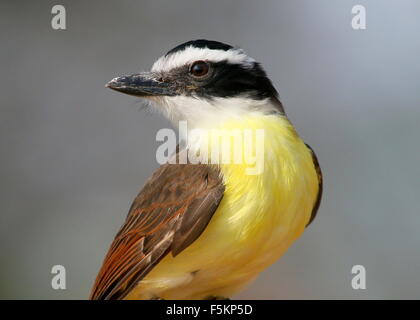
(204, 230)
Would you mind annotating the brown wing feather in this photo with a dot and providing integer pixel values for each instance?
(170, 212)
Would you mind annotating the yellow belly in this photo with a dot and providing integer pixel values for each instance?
(257, 220)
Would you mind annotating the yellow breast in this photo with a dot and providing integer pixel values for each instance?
(258, 218)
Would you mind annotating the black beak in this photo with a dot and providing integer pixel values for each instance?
(141, 85)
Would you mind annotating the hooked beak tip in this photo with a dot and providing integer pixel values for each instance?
(114, 83)
(141, 85)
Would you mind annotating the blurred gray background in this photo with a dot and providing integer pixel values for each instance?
(74, 154)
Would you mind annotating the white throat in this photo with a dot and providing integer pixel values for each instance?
(209, 114)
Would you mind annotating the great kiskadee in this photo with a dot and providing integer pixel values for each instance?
(205, 230)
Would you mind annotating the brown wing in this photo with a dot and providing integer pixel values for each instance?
(170, 212)
(319, 173)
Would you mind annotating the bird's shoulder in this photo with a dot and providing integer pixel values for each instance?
(320, 185)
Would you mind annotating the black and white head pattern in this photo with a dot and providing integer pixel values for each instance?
(230, 72)
(213, 81)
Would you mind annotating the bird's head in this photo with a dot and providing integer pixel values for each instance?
(203, 82)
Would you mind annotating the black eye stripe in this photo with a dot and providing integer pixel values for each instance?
(230, 80)
(223, 80)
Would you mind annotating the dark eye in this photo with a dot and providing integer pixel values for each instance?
(199, 68)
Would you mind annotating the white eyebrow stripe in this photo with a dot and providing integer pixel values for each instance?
(191, 54)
